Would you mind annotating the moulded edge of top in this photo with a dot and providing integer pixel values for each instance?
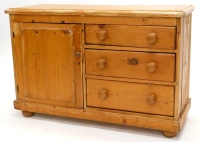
(101, 12)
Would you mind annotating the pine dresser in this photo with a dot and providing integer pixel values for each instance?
(128, 65)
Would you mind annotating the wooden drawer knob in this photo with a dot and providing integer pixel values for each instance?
(102, 94)
(101, 64)
(152, 38)
(101, 35)
(78, 54)
(151, 67)
(151, 99)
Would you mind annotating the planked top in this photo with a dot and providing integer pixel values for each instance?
(105, 10)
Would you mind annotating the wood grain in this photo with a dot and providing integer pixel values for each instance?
(186, 60)
(17, 60)
(117, 65)
(169, 134)
(126, 48)
(125, 35)
(119, 118)
(130, 96)
(178, 90)
(78, 63)
(49, 75)
(83, 67)
(183, 64)
(159, 21)
(27, 113)
(157, 116)
(127, 65)
(184, 113)
(125, 119)
(106, 10)
(130, 80)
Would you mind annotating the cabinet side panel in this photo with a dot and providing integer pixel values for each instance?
(182, 64)
(186, 60)
(178, 89)
(13, 34)
(17, 53)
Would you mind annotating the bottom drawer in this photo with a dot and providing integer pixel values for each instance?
(137, 97)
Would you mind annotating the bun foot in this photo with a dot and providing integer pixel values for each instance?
(169, 134)
(27, 113)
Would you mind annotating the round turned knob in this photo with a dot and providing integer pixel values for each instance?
(101, 64)
(102, 94)
(78, 54)
(101, 35)
(151, 99)
(151, 67)
(152, 38)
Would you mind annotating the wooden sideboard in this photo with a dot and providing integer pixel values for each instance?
(128, 65)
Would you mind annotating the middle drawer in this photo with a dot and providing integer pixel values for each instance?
(138, 65)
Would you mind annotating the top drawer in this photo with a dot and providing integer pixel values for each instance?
(138, 36)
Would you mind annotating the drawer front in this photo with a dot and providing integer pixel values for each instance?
(154, 99)
(138, 65)
(137, 36)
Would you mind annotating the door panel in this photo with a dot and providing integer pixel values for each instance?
(48, 61)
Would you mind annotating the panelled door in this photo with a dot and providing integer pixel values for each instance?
(49, 55)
